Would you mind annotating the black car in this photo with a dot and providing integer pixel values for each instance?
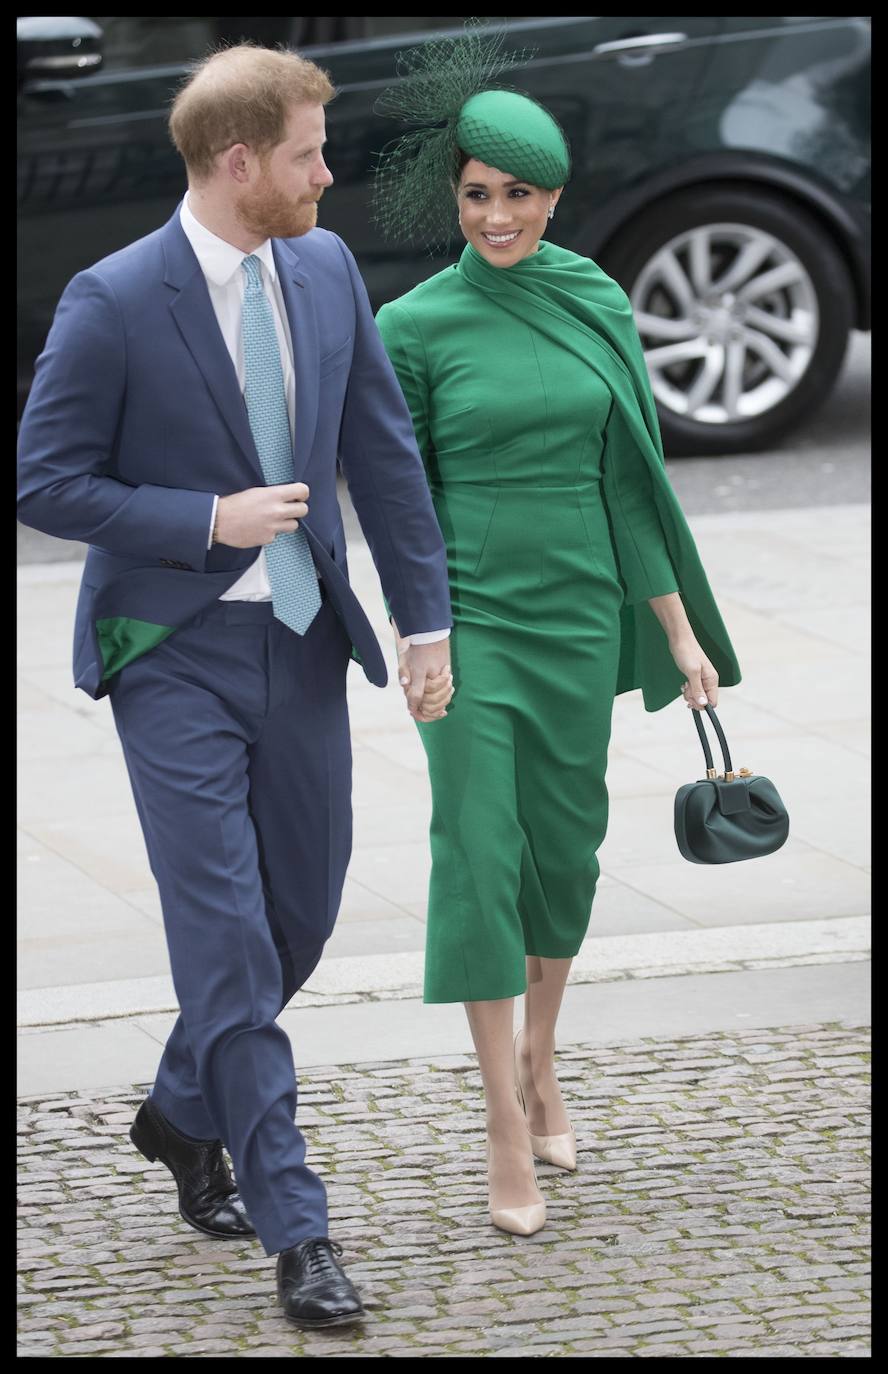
(721, 175)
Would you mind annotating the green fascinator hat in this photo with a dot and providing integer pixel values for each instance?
(449, 92)
(515, 134)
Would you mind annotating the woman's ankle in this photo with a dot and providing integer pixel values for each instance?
(506, 1124)
(535, 1043)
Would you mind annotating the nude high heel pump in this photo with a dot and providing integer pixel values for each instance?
(560, 1150)
(520, 1221)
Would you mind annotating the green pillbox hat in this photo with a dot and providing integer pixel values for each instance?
(516, 135)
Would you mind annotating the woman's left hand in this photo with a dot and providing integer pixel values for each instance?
(701, 686)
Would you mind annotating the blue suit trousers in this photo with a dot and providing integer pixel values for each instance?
(236, 738)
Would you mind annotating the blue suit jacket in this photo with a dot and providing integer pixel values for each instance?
(136, 419)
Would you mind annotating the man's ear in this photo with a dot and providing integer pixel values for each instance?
(237, 162)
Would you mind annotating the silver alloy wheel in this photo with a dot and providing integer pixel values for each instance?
(729, 322)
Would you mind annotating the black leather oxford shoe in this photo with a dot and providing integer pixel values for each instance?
(208, 1198)
(312, 1289)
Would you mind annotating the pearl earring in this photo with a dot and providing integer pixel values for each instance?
(551, 212)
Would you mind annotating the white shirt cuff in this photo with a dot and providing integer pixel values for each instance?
(427, 637)
(212, 522)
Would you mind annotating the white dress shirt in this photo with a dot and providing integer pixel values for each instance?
(220, 263)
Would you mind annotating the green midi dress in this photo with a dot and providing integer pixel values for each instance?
(553, 532)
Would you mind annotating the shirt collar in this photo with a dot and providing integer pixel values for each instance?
(220, 261)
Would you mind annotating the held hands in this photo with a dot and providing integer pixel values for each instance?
(255, 516)
(425, 675)
(701, 687)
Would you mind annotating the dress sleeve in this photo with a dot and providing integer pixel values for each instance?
(639, 542)
(406, 351)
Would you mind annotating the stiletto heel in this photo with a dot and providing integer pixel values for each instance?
(560, 1150)
(519, 1221)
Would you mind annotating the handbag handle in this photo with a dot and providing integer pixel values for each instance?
(707, 752)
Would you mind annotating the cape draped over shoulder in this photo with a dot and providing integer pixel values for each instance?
(573, 302)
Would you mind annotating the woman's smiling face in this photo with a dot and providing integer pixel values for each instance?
(502, 218)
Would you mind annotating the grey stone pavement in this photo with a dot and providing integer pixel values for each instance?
(712, 1044)
(719, 1209)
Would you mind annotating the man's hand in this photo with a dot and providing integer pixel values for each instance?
(255, 516)
(425, 675)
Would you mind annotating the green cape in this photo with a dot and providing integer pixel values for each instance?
(568, 298)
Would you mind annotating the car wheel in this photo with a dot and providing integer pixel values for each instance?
(744, 306)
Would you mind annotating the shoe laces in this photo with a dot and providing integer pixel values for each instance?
(317, 1256)
(217, 1179)
(219, 1173)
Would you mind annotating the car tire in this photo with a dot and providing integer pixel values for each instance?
(736, 219)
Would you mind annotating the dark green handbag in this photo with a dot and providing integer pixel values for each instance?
(730, 816)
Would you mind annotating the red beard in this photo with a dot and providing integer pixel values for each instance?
(269, 213)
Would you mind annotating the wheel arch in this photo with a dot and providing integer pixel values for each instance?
(849, 235)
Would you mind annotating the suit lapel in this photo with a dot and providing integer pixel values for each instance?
(193, 313)
(300, 307)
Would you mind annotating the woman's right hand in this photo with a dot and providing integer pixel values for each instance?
(437, 690)
(436, 697)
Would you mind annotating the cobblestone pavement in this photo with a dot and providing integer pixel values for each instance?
(720, 1208)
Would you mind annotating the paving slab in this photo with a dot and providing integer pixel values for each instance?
(797, 883)
(334, 1022)
(92, 1057)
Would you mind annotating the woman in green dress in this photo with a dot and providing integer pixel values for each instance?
(573, 577)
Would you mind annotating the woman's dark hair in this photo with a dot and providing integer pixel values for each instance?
(459, 161)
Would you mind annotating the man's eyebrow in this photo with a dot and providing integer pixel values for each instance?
(311, 148)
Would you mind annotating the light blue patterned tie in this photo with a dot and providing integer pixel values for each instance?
(291, 570)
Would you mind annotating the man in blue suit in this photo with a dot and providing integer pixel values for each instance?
(186, 417)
